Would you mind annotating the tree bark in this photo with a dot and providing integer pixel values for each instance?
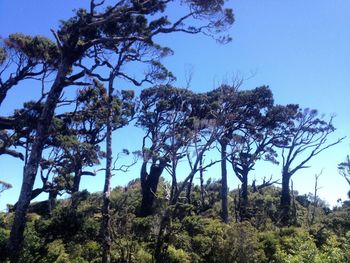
(285, 199)
(149, 185)
(244, 195)
(163, 235)
(174, 188)
(201, 183)
(189, 190)
(77, 178)
(105, 223)
(31, 168)
(35, 193)
(52, 200)
(224, 188)
(75, 188)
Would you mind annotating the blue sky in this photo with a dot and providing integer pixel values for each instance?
(301, 49)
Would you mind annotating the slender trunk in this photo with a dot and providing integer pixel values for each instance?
(315, 203)
(244, 195)
(174, 186)
(224, 188)
(31, 168)
(201, 183)
(163, 235)
(236, 207)
(189, 190)
(285, 199)
(105, 223)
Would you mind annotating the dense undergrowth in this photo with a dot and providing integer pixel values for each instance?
(70, 233)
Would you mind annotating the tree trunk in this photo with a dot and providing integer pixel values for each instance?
(224, 188)
(35, 193)
(189, 190)
(149, 185)
(3, 93)
(76, 181)
(244, 195)
(163, 235)
(285, 199)
(75, 188)
(174, 189)
(105, 223)
(201, 183)
(52, 200)
(31, 168)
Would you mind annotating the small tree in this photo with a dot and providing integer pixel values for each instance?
(201, 142)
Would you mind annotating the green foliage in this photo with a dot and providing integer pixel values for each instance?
(56, 252)
(4, 235)
(3, 55)
(195, 235)
(177, 255)
(295, 245)
(39, 49)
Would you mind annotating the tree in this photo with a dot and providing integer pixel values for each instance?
(164, 115)
(119, 111)
(73, 143)
(254, 140)
(305, 136)
(201, 142)
(96, 30)
(344, 170)
(224, 109)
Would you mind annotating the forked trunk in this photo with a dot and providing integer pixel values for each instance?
(149, 185)
(189, 190)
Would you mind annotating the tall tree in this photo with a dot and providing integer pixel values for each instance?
(97, 29)
(119, 112)
(305, 136)
(224, 109)
(164, 113)
(254, 139)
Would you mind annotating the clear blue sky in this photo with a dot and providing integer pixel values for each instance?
(301, 49)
